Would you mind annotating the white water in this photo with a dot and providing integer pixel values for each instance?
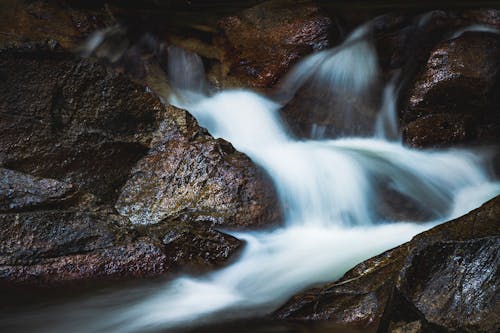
(327, 189)
(347, 77)
(330, 190)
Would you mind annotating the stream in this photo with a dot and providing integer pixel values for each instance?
(330, 190)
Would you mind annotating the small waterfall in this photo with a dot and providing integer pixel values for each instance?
(346, 77)
(331, 190)
(387, 125)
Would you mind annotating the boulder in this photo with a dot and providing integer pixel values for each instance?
(187, 173)
(443, 280)
(72, 120)
(53, 247)
(261, 43)
(455, 97)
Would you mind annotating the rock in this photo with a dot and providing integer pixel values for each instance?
(443, 280)
(261, 43)
(320, 113)
(19, 191)
(187, 173)
(457, 92)
(357, 299)
(439, 129)
(450, 279)
(53, 247)
(24, 22)
(72, 120)
(486, 16)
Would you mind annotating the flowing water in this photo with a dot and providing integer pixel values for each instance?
(330, 190)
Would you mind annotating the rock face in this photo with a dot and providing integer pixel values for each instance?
(455, 98)
(72, 120)
(261, 43)
(189, 174)
(53, 247)
(445, 279)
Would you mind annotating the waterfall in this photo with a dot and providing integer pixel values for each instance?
(331, 189)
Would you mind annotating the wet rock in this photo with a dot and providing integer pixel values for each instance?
(261, 43)
(52, 247)
(358, 298)
(457, 92)
(443, 280)
(19, 191)
(442, 129)
(72, 120)
(486, 16)
(187, 173)
(192, 245)
(320, 113)
(24, 22)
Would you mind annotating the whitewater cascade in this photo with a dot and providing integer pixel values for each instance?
(330, 190)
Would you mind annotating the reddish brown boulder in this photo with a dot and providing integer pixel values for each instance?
(261, 43)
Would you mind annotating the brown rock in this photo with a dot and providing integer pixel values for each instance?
(445, 279)
(53, 247)
(441, 129)
(72, 120)
(37, 21)
(262, 42)
(456, 92)
(187, 173)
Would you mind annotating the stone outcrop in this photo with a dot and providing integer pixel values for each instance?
(445, 279)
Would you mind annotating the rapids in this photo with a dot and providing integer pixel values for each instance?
(330, 190)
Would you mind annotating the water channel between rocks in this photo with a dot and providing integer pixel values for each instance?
(329, 190)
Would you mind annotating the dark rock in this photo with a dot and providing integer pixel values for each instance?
(358, 298)
(192, 245)
(187, 173)
(441, 129)
(24, 22)
(486, 16)
(318, 113)
(52, 247)
(72, 120)
(444, 280)
(19, 191)
(457, 92)
(262, 42)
